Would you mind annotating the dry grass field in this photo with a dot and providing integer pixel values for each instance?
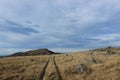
(107, 67)
(22, 68)
(62, 67)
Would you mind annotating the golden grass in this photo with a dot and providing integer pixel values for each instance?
(107, 68)
(20, 68)
(51, 73)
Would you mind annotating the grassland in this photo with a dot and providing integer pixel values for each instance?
(22, 68)
(106, 68)
(61, 67)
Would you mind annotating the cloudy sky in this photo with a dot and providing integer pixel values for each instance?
(60, 25)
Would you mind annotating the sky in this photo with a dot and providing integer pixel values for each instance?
(59, 25)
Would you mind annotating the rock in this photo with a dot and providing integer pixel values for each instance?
(80, 68)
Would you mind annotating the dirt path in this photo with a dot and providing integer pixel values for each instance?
(56, 67)
(43, 71)
(50, 71)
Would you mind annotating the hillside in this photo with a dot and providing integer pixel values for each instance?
(87, 65)
(34, 52)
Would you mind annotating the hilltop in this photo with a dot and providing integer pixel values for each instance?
(34, 52)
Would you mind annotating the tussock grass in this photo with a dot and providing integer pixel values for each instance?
(107, 68)
(21, 68)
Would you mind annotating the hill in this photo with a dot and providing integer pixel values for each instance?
(34, 52)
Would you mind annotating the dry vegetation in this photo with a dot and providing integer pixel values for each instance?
(22, 68)
(62, 67)
(106, 68)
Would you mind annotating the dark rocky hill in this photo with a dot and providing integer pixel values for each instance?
(34, 52)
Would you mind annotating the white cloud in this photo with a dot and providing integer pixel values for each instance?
(95, 12)
(58, 21)
(107, 37)
(14, 36)
(67, 50)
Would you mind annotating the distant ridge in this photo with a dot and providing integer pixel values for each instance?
(34, 52)
(46, 51)
(107, 48)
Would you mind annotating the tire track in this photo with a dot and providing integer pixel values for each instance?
(43, 71)
(56, 67)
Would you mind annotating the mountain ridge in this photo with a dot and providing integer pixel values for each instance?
(43, 51)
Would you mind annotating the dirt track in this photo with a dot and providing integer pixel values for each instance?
(50, 71)
(43, 71)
